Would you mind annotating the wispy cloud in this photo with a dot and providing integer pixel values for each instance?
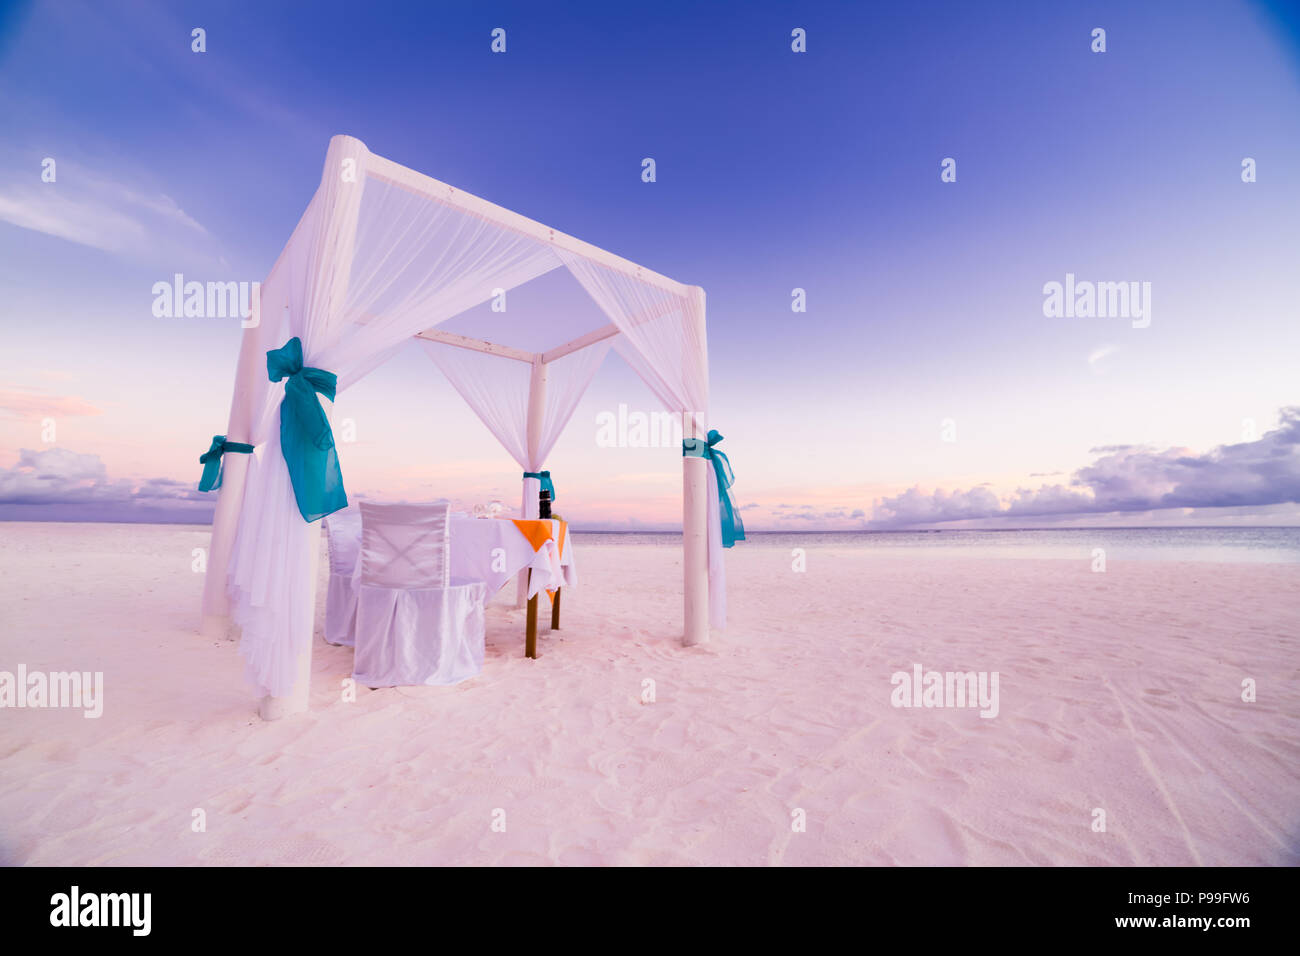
(90, 209)
(1130, 478)
(31, 404)
(1097, 357)
(810, 513)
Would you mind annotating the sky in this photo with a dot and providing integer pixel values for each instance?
(924, 385)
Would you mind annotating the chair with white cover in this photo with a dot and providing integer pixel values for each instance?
(343, 530)
(415, 624)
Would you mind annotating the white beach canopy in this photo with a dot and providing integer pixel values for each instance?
(384, 254)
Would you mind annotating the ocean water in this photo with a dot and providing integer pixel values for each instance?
(1229, 545)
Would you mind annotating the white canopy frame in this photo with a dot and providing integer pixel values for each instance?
(382, 255)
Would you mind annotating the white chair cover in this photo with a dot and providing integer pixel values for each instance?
(343, 529)
(415, 624)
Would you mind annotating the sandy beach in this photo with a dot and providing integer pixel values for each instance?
(1119, 691)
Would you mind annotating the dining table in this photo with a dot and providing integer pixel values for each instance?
(496, 550)
(549, 537)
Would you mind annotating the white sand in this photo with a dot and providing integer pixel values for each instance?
(1118, 691)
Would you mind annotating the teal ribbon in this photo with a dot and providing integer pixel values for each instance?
(545, 478)
(211, 460)
(305, 436)
(733, 529)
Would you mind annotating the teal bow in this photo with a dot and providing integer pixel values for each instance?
(733, 529)
(545, 478)
(211, 460)
(305, 436)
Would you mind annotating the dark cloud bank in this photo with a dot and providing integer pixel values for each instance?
(1129, 478)
(60, 485)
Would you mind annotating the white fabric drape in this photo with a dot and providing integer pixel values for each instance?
(379, 255)
(369, 265)
(663, 339)
(567, 379)
(496, 388)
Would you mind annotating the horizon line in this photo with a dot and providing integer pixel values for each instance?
(678, 532)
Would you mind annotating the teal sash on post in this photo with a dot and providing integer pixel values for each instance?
(305, 435)
(545, 478)
(211, 460)
(733, 529)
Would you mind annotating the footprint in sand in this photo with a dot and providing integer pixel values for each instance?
(67, 815)
(1155, 698)
(303, 851)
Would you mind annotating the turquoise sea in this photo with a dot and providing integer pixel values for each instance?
(1268, 545)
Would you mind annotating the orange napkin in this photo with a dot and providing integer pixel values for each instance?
(540, 530)
(537, 530)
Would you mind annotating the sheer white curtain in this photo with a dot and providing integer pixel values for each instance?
(370, 264)
(663, 339)
(496, 388)
(567, 379)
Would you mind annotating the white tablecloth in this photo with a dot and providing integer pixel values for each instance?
(475, 556)
(494, 551)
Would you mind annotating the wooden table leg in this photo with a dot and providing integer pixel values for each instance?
(555, 610)
(530, 629)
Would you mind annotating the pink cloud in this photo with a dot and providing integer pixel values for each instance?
(35, 404)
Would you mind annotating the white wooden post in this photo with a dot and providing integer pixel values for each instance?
(536, 413)
(695, 508)
(695, 546)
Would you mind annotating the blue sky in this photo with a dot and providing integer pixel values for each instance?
(775, 170)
